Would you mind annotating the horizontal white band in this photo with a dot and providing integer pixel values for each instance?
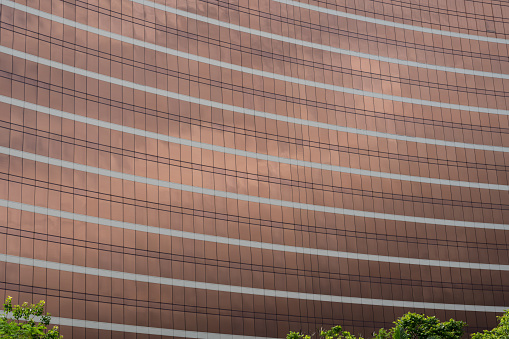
(245, 197)
(243, 290)
(391, 23)
(247, 243)
(159, 331)
(256, 72)
(322, 47)
(252, 155)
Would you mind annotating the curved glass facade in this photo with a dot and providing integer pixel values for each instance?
(241, 168)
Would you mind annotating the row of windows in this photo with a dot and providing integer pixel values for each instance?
(321, 284)
(191, 297)
(457, 128)
(213, 168)
(169, 305)
(417, 78)
(367, 273)
(244, 93)
(302, 180)
(432, 46)
(280, 87)
(364, 31)
(268, 103)
(474, 11)
(372, 232)
(150, 31)
(238, 141)
(251, 319)
(349, 80)
(155, 206)
(358, 150)
(427, 89)
(347, 58)
(356, 212)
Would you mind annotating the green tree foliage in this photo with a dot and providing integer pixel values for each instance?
(399, 333)
(297, 335)
(334, 333)
(409, 326)
(499, 332)
(19, 321)
(419, 326)
(337, 333)
(382, 334)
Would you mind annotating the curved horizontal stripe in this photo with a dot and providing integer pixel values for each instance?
(245, 197)
(305, 43)
(159, 331)
(252, 71)
(241, 289)
(236, 109)
(97, 325)
(252, 155)
(391, 23)
(247, 243)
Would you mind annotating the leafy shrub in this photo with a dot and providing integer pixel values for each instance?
(19, 321)
(499, 332)
(418, 326)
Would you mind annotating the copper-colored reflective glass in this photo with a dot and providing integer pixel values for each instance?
(240, 175)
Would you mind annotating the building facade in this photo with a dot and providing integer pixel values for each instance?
(241, 168)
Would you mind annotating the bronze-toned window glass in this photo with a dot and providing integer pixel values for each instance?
(194, 169)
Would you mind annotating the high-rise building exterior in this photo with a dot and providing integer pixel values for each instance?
(241, 168)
